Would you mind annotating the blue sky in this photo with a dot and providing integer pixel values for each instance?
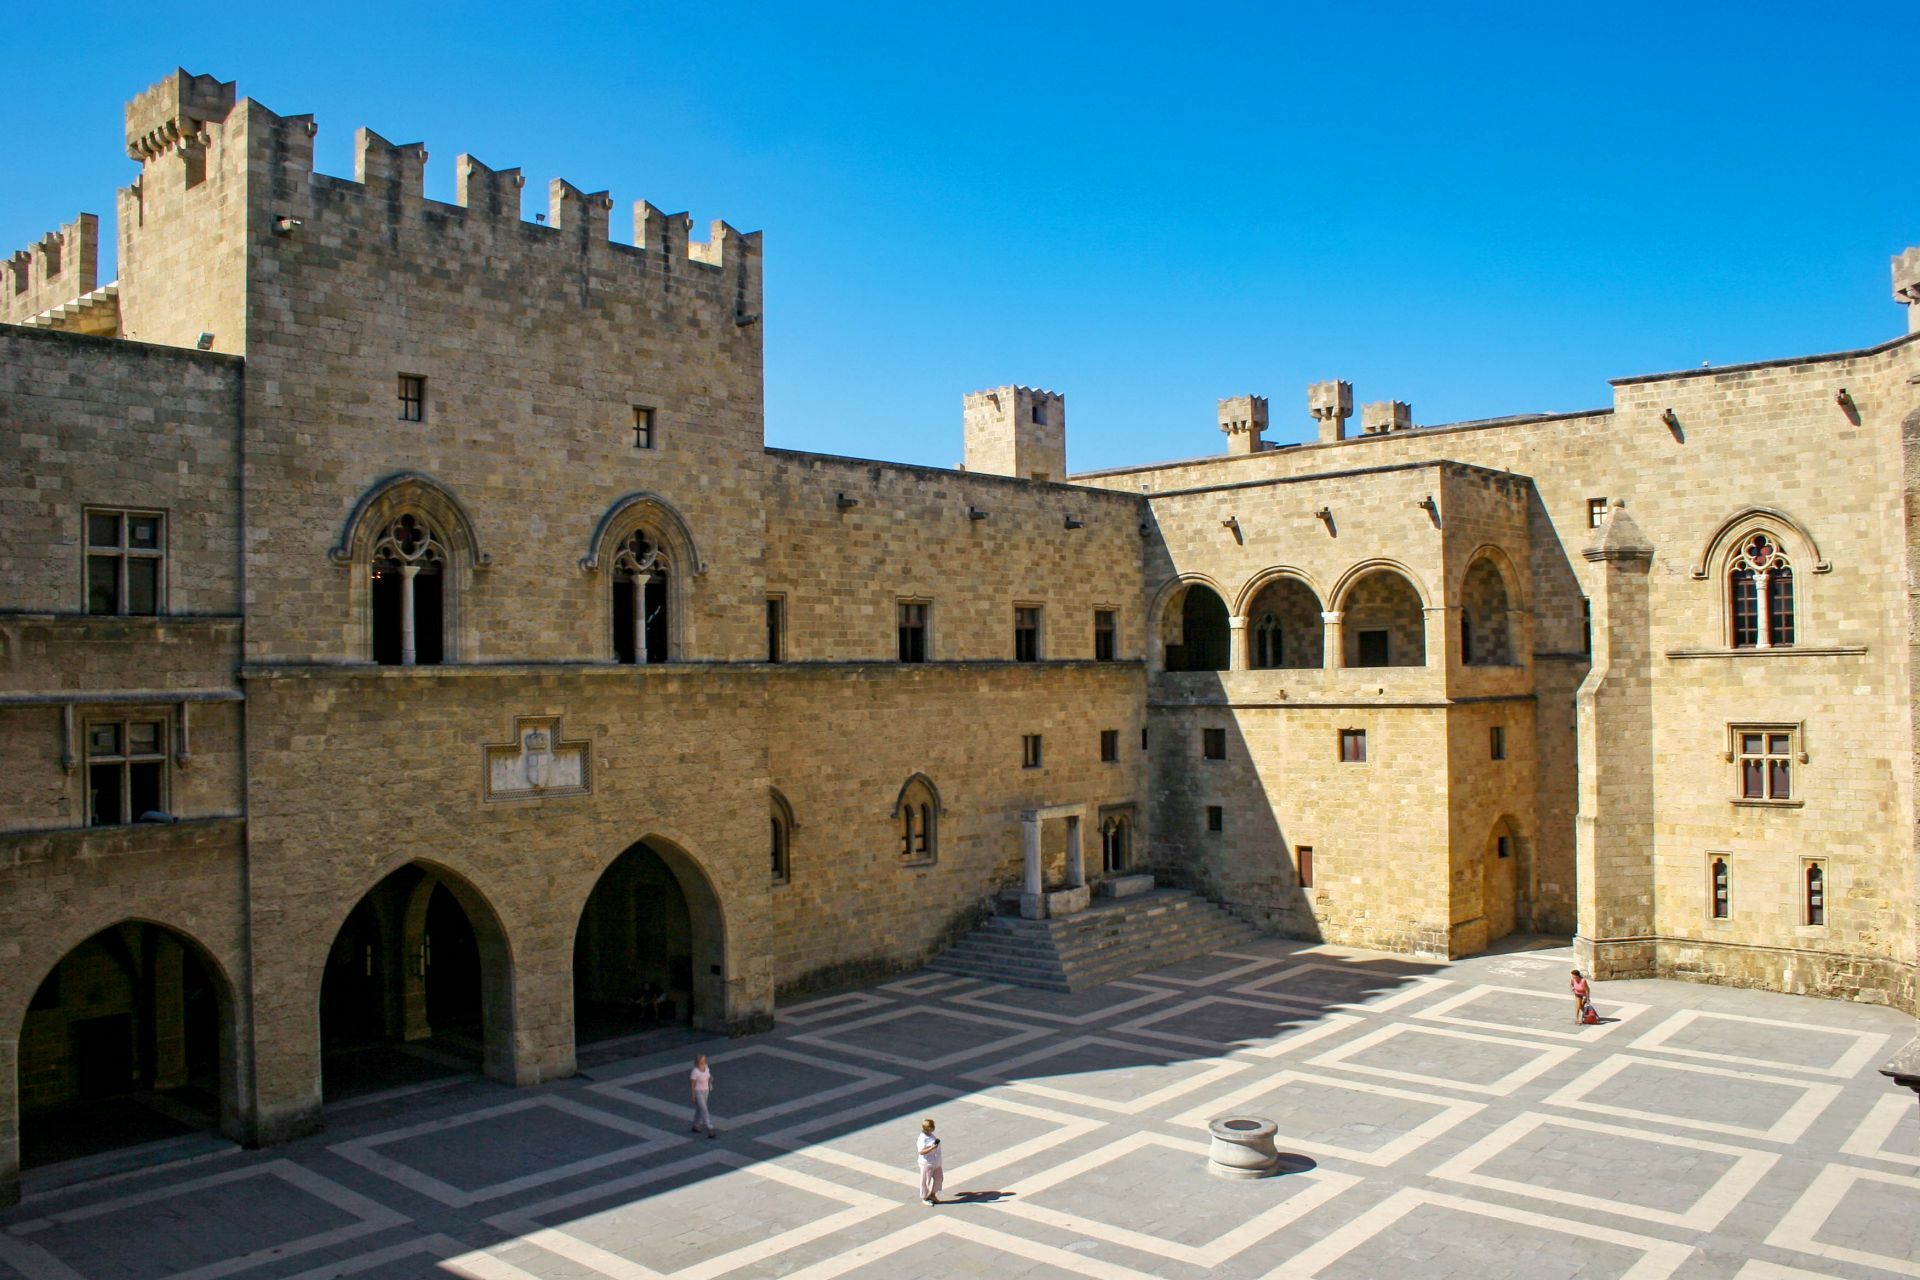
(1481, 210)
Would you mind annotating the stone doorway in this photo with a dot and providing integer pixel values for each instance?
(405, 994)
(128, 1040)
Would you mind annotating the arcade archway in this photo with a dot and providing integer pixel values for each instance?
(127, 1040)
(415, 986)
(647, 953)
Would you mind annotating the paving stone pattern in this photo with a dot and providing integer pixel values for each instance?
(1441, 1121)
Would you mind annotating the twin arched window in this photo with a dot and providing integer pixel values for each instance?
(1760, 606)
(640, 600)
(408, 567)
(917, 812)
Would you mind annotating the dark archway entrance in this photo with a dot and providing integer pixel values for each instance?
(403, 997)
(647, 953)
(1197, 636)
(127, 1040)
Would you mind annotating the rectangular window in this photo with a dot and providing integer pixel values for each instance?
(1596, 512)
(1814, 880)
(776, 628)
(1586, 626)
(126, 770)
(1109, 746)
(1040, 415)
(913, 630)
(1143, 738)
(1763, 761)
(1497, 741)
(1353, 746)
(1216, 818)
(1104, 631)
(1213, 744)
(1503, 846)
(1375, 649)
(413, 398)
(1026, 633)
(1030, 751)
(126, 562)
(1719, 887)
(1303, 864)
(642, 427)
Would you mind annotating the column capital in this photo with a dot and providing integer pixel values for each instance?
(1331, 615)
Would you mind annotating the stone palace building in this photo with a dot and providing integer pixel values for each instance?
(408, 639)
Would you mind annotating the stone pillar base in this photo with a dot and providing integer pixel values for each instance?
(1612, 959)
(1126, 886)
(1056, 902)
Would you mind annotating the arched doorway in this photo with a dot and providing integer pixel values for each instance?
(1195, 630)
(1499, 876)
(403, 998)
(127, 1040)
(647, 954)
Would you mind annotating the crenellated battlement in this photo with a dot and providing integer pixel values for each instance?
(219, 171)
(55, 269)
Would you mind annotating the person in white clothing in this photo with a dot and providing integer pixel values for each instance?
(930, 1172)
(702, 1082)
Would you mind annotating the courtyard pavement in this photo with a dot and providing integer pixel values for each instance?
(1448, 1121)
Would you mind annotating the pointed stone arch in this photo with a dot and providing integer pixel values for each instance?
(1167, 618)
(916, 811)
(676, 560)
(1780, 523)
(458, 554)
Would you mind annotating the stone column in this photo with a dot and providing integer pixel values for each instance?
(166, 983)
(1237, 659)
(1614, 870)
(408, 653)
(641, 581)
(1437, 636)
(1030, 828)
(1076, 856)
(1333, 651)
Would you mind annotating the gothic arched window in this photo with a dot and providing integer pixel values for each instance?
(917, 812)
(1760, 595)
(1113, 844)
(409, 574)
(780, 837)
(640, 572)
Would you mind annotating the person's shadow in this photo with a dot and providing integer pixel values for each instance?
(978, 1197)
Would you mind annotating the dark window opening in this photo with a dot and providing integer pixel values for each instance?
(642, 428)
(1109, 746)
(1026, 634)
(913, 632)
(1303, 860)
(1030, 751)
(1353, 746)
(1722, 903)
(776, 629)
(1103, 635)
(1816, 893)
(1497, 742)
(1213, 744)
(1204, 633)
(124, 554)
(1375, 648)
(1216, 818)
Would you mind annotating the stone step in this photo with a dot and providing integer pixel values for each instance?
(1117, 938)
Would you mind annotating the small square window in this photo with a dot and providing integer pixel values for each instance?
(1596, 512)
(413, 398)
(1109, 746)
(1030, 751)
(1374, 648)
(1353, 746)
(1040, 415)
(1216, 818)
(1213, 744)
(1497, 742)
(1104, 634)
(643, 425)
(1303, 864)
(1026, 633)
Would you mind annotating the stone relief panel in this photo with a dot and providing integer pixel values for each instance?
(537, 763)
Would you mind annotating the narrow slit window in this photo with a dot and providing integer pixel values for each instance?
(1497, 742)
(1030, 753)
(1816, 893)
(1720, 888)
(913, 631)
(776, 629)
(1303, 864)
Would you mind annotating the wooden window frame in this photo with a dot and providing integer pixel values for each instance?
(123, 758)
(122, 552)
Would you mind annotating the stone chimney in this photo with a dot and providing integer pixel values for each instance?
(1331, 404)
(1906, 286)
(1243, 418)
(1383, 416)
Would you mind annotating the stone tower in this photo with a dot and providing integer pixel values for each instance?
(1243, 418)
(1331, 404)
(1017, 431)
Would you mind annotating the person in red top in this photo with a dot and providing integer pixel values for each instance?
(1581, 994)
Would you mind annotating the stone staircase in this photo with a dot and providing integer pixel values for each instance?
(1112, 939)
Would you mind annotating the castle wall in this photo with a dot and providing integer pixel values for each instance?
(1771, 436)
(844, 739)
(57, 268)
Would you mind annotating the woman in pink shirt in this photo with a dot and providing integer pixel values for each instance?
(1581, 994)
